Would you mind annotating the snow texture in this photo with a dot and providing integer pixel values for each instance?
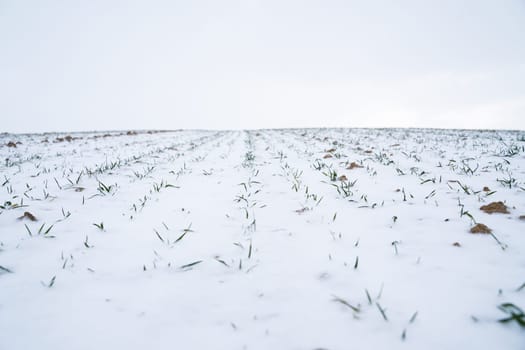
(269, 239)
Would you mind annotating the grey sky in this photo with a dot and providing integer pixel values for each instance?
(86, 65)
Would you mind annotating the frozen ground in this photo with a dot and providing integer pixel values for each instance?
(254, 240)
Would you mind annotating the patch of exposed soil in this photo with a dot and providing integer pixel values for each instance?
(495, 207)
(353, 165)
(328, 155)
(342, 178)
(28, 215)
(480, 228)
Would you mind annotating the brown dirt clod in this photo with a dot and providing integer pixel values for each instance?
(27, 215)
(480, 228)
(456, 244)
(495, 207)
(342, 178)
(486, 189)
(11, 144)
(328, 155)
(353, 165)
(522, 217)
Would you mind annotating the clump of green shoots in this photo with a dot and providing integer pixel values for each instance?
(514, 314)
(104, 189)
(51, 283)
(100, 226)
(41, 230)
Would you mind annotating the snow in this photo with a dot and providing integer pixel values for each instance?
(284, 258)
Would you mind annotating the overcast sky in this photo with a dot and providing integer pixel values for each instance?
(99, 65)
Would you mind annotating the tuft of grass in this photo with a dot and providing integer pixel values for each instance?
(184, 233)
(28, 230)
(51, 283)
(159, 236)
(58, 184)
(382, 311)
(46, 232)
(86, 244)
(514, 313)
(5, 269)
(339, 300)
(222, 261)
(368, 297)
(104, 189)
(380, 291)
(187, 266)
(394, 244)
(412, 319)
(99, 226)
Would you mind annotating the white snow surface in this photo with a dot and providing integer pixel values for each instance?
(251, 240)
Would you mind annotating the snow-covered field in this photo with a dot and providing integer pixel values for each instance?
(272, 239)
